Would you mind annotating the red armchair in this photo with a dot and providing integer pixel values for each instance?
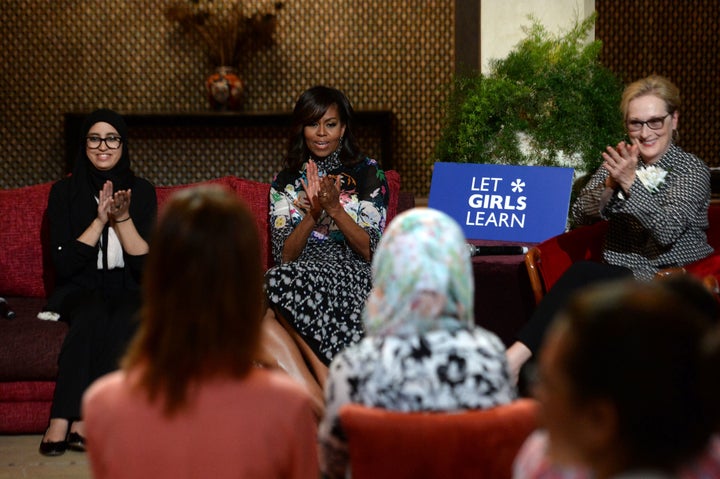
(470, 444)
(548, 260)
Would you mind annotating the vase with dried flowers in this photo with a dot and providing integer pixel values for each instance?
(232, 31)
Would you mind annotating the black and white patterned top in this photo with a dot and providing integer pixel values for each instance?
(437, 371)
(651, 230)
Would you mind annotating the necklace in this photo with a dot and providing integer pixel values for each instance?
(330, 162)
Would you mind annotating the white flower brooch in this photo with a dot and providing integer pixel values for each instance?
(651, 177)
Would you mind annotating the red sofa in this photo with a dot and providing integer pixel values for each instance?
(29, 347)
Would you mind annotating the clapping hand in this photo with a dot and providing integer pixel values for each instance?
(621, 163)
(113, 205)
(121, 205)
(323, 193)
(311, 189)
(105, 202)
(329, 194)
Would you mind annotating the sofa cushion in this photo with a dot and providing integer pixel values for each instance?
(30, 346)
(164, 192)
(255, 194)
(25, 406)
(22, 237)
(21, 391)
(393, 179)
(257, 197)
(709, 265)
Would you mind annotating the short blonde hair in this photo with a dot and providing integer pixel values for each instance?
(656, 85)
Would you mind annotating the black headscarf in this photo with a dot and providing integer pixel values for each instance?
(84, 173)
(87, 181)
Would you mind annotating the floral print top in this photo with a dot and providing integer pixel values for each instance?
(363, 195)
(322, 292)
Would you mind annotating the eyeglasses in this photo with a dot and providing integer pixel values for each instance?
(112, 142)
(652, 123)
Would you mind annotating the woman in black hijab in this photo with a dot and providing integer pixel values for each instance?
(100, 222)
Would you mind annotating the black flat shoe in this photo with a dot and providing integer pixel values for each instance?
(76, 442)
(50, 448)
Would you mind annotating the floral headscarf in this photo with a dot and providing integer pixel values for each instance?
(422, 277)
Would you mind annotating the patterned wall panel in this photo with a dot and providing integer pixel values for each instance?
(74, 56)
(677, 39)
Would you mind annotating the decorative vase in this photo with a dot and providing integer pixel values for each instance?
(225, 89)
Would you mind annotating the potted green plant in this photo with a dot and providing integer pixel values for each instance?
(549, 102)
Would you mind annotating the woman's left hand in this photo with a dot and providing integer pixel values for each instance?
(329, 194)
(120, 208)
(621, 162)
(311, 190)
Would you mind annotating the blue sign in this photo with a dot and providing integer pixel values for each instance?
(503, 202)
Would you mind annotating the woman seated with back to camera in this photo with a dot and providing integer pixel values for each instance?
(655, 197)
(327, 211)
(628, 383)
(423, 351)
(188, 401)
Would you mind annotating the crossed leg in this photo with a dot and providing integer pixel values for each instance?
(279, 349)
(319, 369)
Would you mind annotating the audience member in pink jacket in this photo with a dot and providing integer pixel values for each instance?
(188, 401)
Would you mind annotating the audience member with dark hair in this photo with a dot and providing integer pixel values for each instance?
(423, 351)
(328, 209)
(624, 385)
(655, 197)
(533, 460)
(100, 221)
(188, 401)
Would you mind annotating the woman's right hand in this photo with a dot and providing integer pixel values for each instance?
(295, 243)
(105, 202)
(312, 187)
(621, 163)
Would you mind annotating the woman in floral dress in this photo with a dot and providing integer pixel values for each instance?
(327, 212)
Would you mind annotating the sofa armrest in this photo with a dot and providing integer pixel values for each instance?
(547, 261)
(707, 270)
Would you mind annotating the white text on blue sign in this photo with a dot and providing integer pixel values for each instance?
(488, 199)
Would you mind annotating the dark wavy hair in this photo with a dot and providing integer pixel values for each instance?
(202, 296)
(642, 346)
(310, 107)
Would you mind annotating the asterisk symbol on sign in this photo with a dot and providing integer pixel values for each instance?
(517, 185)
